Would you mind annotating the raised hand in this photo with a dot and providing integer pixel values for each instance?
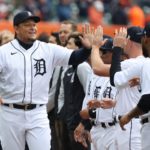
(98, 37)
(120, 38)
(87, 38)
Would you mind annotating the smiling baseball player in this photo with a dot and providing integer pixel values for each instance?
(26, 66)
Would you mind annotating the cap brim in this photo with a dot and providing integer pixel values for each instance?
(35, 18)
(141, 34)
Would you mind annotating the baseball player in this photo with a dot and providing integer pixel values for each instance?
(26, 66)
(103, 131)
(140, 69)
(127, 97)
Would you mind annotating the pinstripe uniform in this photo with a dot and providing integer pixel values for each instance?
(24, 79)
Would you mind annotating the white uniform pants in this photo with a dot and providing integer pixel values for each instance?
(103, 138)
(145, 136)
(130, 139)
(18, 126)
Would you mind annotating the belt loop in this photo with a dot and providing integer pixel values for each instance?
(26, 107)
(107, 125)
(37, 105)
(11, 105)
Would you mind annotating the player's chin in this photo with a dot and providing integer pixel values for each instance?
(32, 39)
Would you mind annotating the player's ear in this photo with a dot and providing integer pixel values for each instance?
(16, 28)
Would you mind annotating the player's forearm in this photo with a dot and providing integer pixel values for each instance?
(98, 65)
(135, 113)
(79, 56)
(115, 65)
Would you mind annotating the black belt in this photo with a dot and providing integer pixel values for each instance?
(105, 124)
(24, 107)
(145, 120)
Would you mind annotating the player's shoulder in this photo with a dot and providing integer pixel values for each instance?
(84, 65)
(5, 47)
(85, 68)
(49, 46)
(132, 61)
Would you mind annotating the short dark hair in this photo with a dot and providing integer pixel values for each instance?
(76, 36)
(56, 35)
(73, 24)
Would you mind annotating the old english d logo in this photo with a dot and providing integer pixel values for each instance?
(40, 67)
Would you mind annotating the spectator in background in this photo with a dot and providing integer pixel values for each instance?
(59, 139)
(5, 37)
(45, 9)
(4, 10)
(83, 9)
(64, 10)
(54, 38)
(72, 92)
(95, 13)
(43, 37)
(32, 6)
(119, 14)
(136, 15)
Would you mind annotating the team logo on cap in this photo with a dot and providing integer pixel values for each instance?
(29, 13)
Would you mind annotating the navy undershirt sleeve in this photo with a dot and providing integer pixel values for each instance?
(78, 56)
(115, 64)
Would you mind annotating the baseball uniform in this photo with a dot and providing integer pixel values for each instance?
(103, 132)
(24, 79)
(141, 70)
(127, 99)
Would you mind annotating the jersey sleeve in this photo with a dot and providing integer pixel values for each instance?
(122, 78)
(61, 55)
(83, 71)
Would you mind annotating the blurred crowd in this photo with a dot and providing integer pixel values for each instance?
(74, 88)
(120, 12)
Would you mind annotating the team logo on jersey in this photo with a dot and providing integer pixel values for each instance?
(89, 87)
(107, 92)
(97, 91)
(40, 67)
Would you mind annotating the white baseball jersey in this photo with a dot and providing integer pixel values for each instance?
(139, 69)
(99, 88)
(127, 97)
(25, 74)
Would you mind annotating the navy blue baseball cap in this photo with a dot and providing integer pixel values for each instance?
(107, 46)
(23, 16)
(146, 30)
(133, 32)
